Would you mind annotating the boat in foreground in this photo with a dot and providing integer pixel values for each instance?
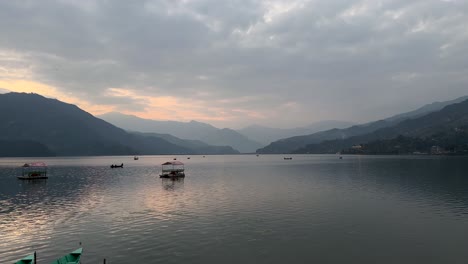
(72, 258)
(31, 259)
(172, 169)
(33, 171)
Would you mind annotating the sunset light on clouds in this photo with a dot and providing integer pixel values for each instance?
(235, 63)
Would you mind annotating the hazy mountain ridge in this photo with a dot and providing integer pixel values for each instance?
(288, 145)
(447, 127)
(24, 148)
(196, 146)
(267, 135)
(58, 128)
(192, 130)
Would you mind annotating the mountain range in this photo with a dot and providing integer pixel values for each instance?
(32, 125)
(446, 128)
(192, 130)
(266, 135)
(293, 144)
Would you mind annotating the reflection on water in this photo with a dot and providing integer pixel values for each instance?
(240, 209)
(171, 184)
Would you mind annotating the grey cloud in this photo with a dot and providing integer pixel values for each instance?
(339, 59)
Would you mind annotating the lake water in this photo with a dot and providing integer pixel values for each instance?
(239, 209)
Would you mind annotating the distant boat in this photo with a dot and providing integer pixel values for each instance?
(172, 169)
(72, 258)
(174, 158)
(135, 158)
(188, 157)
(31, 259)
(116, 166)
(33, 171)
(288, 158)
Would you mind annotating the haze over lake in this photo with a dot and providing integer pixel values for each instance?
(239, 209)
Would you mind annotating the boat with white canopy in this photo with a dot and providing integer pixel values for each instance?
(33, 171)
(172, 169)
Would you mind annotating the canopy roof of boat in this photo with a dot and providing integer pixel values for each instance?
(173, 163)
(35, 164)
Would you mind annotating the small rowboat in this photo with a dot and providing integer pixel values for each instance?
(72, 258)
(28, 260)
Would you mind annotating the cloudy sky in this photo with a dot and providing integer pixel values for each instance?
(233, 63)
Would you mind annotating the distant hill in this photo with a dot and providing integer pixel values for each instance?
(447, 127)
(24, 148)
(289, 145)
(196, 146)
(192, 130)
(52, 127)
(266, 135)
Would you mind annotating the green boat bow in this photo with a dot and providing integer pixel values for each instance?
(27, 260)
(72, 258)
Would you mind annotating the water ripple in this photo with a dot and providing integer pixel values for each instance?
(240, 209)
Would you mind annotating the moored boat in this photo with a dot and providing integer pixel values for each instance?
(172, 169)
(31, 259)
(33, 171)
(135, 158)
(71, 258)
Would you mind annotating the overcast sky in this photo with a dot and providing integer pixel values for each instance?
(238, 62)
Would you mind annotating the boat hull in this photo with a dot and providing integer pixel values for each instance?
(27, 260)
(72, 258)
(172, 176)
(32, 178)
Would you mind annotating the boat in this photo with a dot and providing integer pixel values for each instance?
(33, 171)
(71, 258)
(135, 158)
(31, 259)
(288, 158)
(172, 169)
(116, 166)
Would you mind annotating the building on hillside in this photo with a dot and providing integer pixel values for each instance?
(436, 150)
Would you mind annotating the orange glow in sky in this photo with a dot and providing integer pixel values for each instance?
(157, 108)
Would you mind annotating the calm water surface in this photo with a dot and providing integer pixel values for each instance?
(240, 209)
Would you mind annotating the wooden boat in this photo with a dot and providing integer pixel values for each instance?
(31, 259)
(71, 258)
(135, 158)
(288, 158)
(172, 169)
(33, 171)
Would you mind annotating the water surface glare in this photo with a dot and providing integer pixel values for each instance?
(239, 209)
